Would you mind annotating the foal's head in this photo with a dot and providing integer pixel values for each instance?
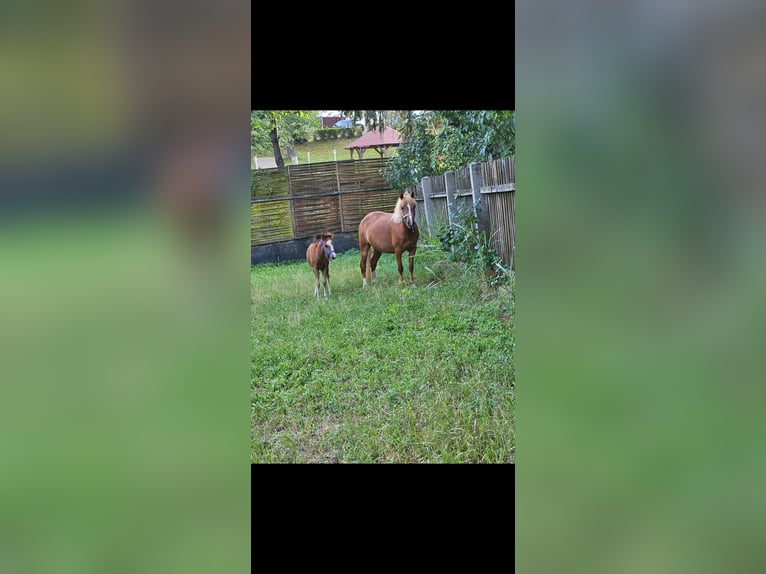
(325, 242)
(405, 206)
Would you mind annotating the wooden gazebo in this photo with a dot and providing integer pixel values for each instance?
(380, 142)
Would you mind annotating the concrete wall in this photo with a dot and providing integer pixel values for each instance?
(295, 249)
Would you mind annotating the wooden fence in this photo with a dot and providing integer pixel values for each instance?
(298, 201)
(488, 188)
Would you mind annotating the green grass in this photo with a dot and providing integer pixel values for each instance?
(389, 374)
(323, 151)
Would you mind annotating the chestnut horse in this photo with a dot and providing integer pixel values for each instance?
(394, 233)
(319, 254)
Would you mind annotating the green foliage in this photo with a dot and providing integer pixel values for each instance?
(374, 119)
(335, 133)
(440, 141)
(260, 142)
(298, 127)
(475, 135)
(413, 157)
(465, 244)
(293, 126)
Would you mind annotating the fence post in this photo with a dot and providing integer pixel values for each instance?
(428, 203)
(479, 206)
(340, 198)
(290, 198)
(450, 186)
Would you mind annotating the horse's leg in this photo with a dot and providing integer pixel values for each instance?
(399, 266)
(327, 289)
(363, 249)
(316, 281)
(412, 265)
(374, 264)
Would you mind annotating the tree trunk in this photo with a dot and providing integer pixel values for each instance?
(275, 144)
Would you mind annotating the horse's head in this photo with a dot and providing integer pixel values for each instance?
(407, 205)
(325, 241)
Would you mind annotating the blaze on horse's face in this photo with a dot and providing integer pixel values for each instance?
(408, 209)
(327, 247)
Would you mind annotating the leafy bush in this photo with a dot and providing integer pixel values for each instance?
(438, 141)
(325, 134)
(467, 245)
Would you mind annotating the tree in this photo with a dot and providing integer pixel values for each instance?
(275, 121)
(439, 141)
(259, 133)
(473, 135)
(370, 117)
(413, 157)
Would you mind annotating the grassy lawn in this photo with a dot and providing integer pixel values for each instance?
(323, 151)
(388, 374)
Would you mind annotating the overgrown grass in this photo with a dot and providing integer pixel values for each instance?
(391, 373)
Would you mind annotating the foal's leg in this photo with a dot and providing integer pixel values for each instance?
(327, 289)
(374, 264)
(412, 265)
(316, 282)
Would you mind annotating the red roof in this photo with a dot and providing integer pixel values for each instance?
(374, 139)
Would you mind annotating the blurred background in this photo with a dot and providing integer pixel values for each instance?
(124, 317)
(124, 326)
(640, 286)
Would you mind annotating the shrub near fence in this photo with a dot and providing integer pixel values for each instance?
(298, 201)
